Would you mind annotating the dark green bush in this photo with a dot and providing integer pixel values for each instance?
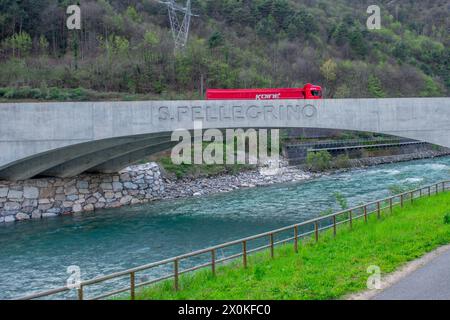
(318, 161)
(447, 218)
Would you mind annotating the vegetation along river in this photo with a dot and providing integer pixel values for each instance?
(34, 255)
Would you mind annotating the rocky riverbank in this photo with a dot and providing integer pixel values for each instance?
(44, 198)
(226, 183)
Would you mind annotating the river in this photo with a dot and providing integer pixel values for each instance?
(34, 255)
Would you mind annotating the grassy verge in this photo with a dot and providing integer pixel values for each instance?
(327, 270)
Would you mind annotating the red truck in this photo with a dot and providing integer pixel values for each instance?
(309, 91)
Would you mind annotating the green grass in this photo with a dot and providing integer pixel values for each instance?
(329, 269)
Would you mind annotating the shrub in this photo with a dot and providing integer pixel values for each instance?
(342, 161)
(318, 161)
(447, 218)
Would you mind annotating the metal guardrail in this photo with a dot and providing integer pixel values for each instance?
(369, 146)
(362, 211)
(347, 142)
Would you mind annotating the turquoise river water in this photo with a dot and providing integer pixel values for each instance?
(34, 255)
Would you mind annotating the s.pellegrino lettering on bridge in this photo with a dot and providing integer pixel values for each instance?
(238, 146)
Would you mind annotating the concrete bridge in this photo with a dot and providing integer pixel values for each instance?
(66, 139)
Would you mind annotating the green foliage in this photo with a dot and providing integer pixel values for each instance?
(341, 200)
(318, 161)
(20, 44)
(127, 47)
(215, 40)
(375, 87)
(447, 218)
(431, 89)
(342, 161)
(133, 14)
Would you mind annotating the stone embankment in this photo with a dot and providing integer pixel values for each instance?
(50, 197)
(424, 154)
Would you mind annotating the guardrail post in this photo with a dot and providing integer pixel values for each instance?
(412, 197)
(132, 286)
(350, 216)
(401, 201)
(443, 186)
(213, 262)
(316, 231)
(271, 246)
(378, 210)
(334, 226)
(296, 239)
(429, 191)
(244, 253)
(390, 204)
(437, 188)
(80, 293)
(176, 274)
(365, 214)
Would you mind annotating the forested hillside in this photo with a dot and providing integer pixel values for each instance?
(125, 49)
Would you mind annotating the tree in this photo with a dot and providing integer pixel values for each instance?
(301, 25)
(43, 44)
(329, 72)
(215, 40)
(375, 88)
(19, 43)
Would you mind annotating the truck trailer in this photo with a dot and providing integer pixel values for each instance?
(309, 91)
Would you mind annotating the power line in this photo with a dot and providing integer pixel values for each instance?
(180, 27)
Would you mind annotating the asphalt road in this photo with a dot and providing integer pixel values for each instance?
(430, 282)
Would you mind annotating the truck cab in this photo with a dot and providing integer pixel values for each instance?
(312, 92)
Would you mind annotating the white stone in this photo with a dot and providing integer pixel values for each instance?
(44, 201)
(36, 214)
(67, 204)
(10, 219)
(22, 216)
(72, 190)
(135, 201)
(30, 192)
(77, 208)
(89, 207)
(72, 197)
(130, 185)
(83, 185)
(106, 186)
(117, 186)
(11, 206)
(49, 215)
(126, 200)
(14, 194)
(99, 205)
(109, 195)
(3, 192)
(2, 219)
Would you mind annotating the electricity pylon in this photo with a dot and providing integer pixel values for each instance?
(180, 28)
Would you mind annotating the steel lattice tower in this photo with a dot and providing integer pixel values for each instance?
(180, 27)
